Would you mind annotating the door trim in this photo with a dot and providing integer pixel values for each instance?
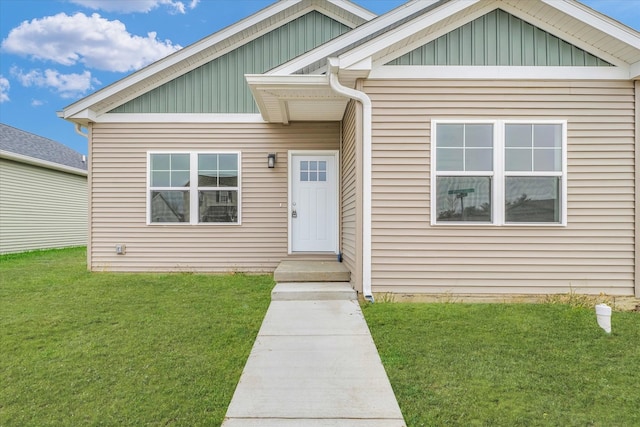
(336, 156)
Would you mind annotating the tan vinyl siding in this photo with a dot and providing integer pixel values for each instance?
(637, 202)
(593, 254)
(351, 197)
(41, 208)
(119, 174)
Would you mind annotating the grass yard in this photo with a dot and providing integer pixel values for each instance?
(509, 365)
(81, 348)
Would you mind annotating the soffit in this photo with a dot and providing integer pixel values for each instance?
(284, 99)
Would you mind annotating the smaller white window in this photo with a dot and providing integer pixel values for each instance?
(194, 188)
(498, 172)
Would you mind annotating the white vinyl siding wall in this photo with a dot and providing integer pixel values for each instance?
(119, 183)
(594, 253)
(41, 208)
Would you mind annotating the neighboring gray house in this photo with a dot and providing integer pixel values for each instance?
(43, 193)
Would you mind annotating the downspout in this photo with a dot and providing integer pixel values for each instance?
(336, 86)
(78, 128)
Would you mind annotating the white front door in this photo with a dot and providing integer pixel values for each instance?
(313, 205)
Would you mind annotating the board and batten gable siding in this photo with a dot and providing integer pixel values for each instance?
(594, 253)
(351, 193)
(41, 208)
(220, 87)
(119, 186)
(499, 38)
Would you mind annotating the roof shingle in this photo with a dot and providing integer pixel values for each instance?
(27, 144)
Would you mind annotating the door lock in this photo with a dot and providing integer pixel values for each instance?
(294, 214)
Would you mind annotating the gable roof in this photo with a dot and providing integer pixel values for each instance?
(367, 48)
(25, 147)
(208, 49)
(567, 19)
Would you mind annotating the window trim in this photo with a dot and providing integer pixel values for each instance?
(498, 174)
(193, 190)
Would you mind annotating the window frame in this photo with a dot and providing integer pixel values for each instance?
(194, 208)
(499, 173)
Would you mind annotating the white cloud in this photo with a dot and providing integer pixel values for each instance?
(91, 40)
(4, 89)
(133, 6)
(37, 103)
(67, 85)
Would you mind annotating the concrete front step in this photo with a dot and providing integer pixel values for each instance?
(311, 271)
(313, 291)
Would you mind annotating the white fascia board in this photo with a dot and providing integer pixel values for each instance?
(286, 80)
(81, 116)
(371, 48)
(42, 163)
(328, 49)
(178, 118)
(634, 71)
(596, 20)
(178, 56)
(449, 72)
(354, 9)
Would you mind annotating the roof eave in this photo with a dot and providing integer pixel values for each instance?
(42, 163)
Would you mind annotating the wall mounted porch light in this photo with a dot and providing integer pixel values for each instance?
(271, 160)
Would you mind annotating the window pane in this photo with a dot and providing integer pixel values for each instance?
(304, 176)
(180, 162)
(160, 179)
(547, 136)
(463, 198)
(479, 135)
(228, 179)
(532, 199)
(218, 206)
(322, 176)
(547, 160)
(160, 162)
(450, 135)
(449, 159)
(228, 162)
(207, 162)
(518, 160)
(180, 178)
(207, 179)
(479, 159)
(170, 206)
(518, 136)
(322, 166)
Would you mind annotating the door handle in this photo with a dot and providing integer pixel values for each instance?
(294, 214)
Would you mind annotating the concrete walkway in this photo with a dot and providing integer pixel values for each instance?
(314, 364)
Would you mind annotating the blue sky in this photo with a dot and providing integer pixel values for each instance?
(54, 52)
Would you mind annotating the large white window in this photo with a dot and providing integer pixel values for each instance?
(498, 172)
(193, 187)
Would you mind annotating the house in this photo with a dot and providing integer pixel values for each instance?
(467, 147)
(43, 193)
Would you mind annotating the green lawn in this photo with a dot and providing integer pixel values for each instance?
(509, 365)
(79, 348)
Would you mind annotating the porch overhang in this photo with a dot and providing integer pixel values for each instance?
(284, 99)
